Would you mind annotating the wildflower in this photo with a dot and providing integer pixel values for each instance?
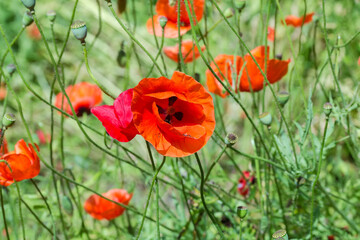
(3, 92)
(169, 9)
(33, 32)
(100, 208)
(83, 96)
(43, 138)
(3, 147)
(118, 118)
(244, 182)
(298, 21)
(251, 78)
(331, 237)
(23, 161)
(175, 115)
(271, 34)
(359, 61)
(188, 50)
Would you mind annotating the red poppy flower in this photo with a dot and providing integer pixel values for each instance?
(3, 92)
(118, 119)
(168, 9)
(33, 32)
(175, 115)
(276, 69)
(243, 185)
(187, 52)
(43, 138)
(100, 208)
(4, 147)
(271, 34)
(23, 161)
(331, 237)
(298, 21)
(359, 61)
(83, 96)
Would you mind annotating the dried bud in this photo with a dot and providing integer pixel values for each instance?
(27, 19)
(121, 58)
(231, 139)
(163, 21)
(283, 98)
(265, 118)
(241, 211)
(79, 30)
(10, 69)
(280, 234)
(229, 13)
(51, 15)
(30, 4)
(327, 108)
(67, 205)
(8, 120)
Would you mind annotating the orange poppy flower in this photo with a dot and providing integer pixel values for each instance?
(43, 138)
(298, 21)
(250, 75)
(4, 147)
(33, 32)
(271, 34)
(100, 208)
(187, 52)
(168, 9)
(83, 96)
(23, 161)
(175, 115)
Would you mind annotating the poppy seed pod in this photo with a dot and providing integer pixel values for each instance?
(327, 108)
(229, 13)
(283, 98)
(163, 21)
(240, 4)
(79, 30)
(231, 139)
(280, 234)
(27, 19)
(30, 4)
(51, 15)
(10, 69)
(241, 211)
(8, 120)
(265, 118)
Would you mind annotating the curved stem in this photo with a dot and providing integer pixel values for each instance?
(214, 163)
(4, 214)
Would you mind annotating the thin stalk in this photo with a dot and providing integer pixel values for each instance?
(214, 163)
(4, 214)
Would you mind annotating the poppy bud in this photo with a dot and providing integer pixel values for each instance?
(280, 234)
(279, 56)
(10, 69)
(30, 4)
(231, 139)
(67, 205)
(27, 19)
(121, 58)
(283, 98)
(8, 120)
(79, 30)
(163, 21)
(327, 108)
(51, 15)
(265, 118)
(240, 4)
(241, 211)
(229, 13)
(197, 77)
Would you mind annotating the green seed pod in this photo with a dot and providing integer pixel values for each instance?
(163, 21)
(280, 234)
(283, 98)
(67, 205)
(327, 108)
(30, 4)
(8, 120)
(51, 15)
(229, 13)
(79, 30)
(121, 58)
(27, 19)
(10, 69)
(241, 211)
(240, 4)
(265, 118)
(231, 139)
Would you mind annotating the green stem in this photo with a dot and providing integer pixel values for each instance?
(4, 214)
(214, 163)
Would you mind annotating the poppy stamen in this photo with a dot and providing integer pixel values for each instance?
(160, 109)
(179, 115)
(168, 119)
(172, 100)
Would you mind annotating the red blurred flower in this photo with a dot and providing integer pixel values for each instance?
(23, 161)
(33, 32)
(271, 34)
(243, 185)
(187, 52)
(4, 147)
(298, 21)
(276, 69)
(168, 9)
(118, 119)
(43, 138)
(3, 92)
(175, 115)
(83, 96)
(100, 208)
(331, 237)
(359, 61)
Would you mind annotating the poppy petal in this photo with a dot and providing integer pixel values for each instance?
(170, 30)
(122, 106)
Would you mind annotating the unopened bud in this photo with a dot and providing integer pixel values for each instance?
(79, 30)
(283, 98)
(229, 13)
(30, 4)
(197, 77)
(231, 139)
(241, 211)
(8, 120)
(121, 58)
(327, 108)
(265, 118)
(51, 15)
(279, 56)
(27, 19)
(280, 234)
(240, 4)
(10, 69)
(163, 21)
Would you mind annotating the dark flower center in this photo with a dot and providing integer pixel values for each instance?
(81, 110)
(170, 111)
